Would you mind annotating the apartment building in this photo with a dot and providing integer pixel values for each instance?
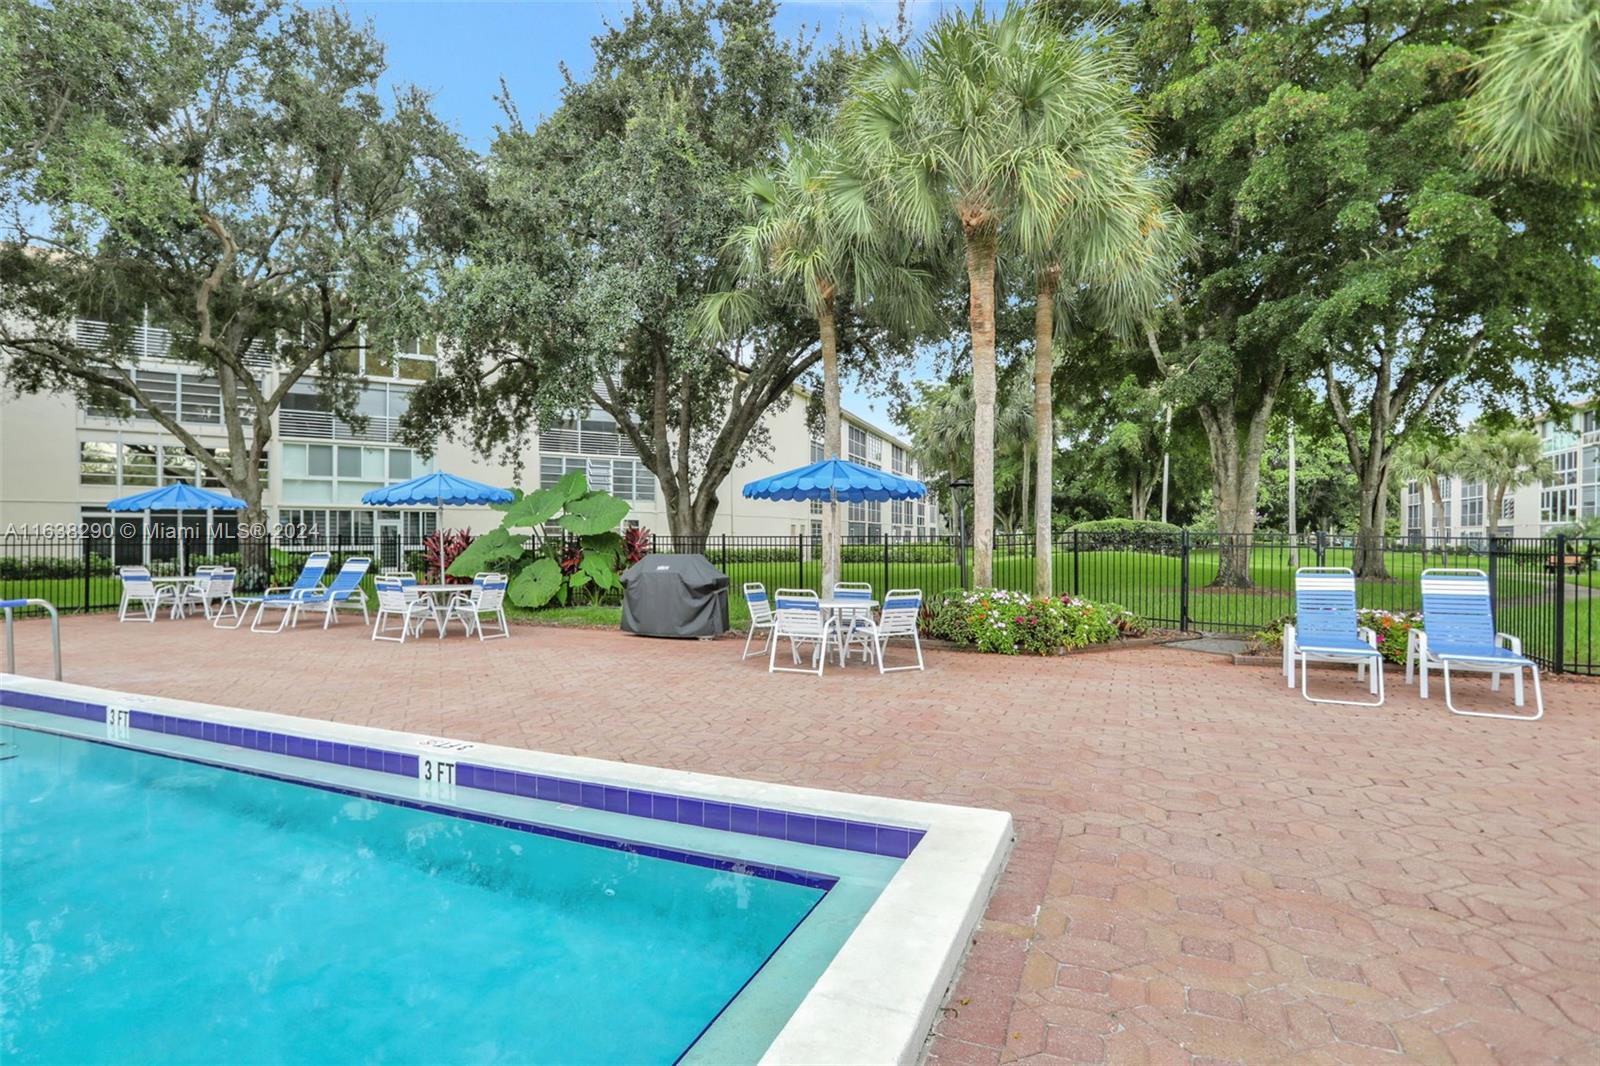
(1572, 444)
(61, 461)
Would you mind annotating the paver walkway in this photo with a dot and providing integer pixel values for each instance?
(1208, 868)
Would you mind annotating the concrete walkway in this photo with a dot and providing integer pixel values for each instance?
(1209, 869)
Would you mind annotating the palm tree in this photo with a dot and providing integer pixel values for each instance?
(1503, 461)
(812, 229)
(1536, 105)
(983, 128)
(1429, 461)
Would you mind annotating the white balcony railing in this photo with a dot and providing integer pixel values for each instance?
(324, 425)
(150, 342)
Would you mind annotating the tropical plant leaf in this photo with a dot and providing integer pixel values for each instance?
(598, 568)
(597, 512)
(496, 547)
(573, 486)
(535, 584)
(577, 580)
(535, 509)
(608, 545)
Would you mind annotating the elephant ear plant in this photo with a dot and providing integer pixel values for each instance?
(546, 573)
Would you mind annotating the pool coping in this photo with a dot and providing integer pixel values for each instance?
(877, 999)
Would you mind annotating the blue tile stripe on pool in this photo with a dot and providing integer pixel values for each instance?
(693, 858)
(817, 830)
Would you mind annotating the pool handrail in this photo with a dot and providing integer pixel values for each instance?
(11, 637)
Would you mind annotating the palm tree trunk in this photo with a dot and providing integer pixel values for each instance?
(1044, 444)
(980, 241)
(831, 438)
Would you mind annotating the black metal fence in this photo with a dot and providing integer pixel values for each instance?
(1545, 588)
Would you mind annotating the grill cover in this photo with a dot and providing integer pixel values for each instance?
(674, 596)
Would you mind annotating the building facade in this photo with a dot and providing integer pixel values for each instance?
(62, 461)
(1571, 444)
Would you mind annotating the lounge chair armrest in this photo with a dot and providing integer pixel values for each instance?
(1509, 641)
(1368, 635)
(278, 588)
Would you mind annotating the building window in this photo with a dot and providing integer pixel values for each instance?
(1559, 499)
(865, 520)
(864, 448)
(1471, 504)
(625, 478)
(97, 462)
(338, 473)
(190, 398)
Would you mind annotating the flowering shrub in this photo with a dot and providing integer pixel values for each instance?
(1014, 623)
(1390, 626)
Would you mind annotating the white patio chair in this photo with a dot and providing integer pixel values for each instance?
(488, 597)
(197, 593)
(286, 598)
(798, 615)
(398, 598)
(138, 588)
(855, 623)
(755, 598)
(1458, 634)
(902, 610)
(219, 602)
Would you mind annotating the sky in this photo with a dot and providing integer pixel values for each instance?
(459, 51)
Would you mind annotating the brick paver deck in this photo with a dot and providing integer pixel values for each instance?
(1207, 868)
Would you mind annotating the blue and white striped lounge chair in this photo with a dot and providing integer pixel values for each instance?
(1325, 630)
(1458, 633)
(755, 598)
(797, 614)
(286, 597)
(344, 593)
(138, 588)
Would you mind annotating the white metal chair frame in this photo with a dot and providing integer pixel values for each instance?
(345, 593)
(855, 624)
(899, 617)
(1450, 628)
(219, 591)
(798, 615)
(487, 597)
(198, 593)
(138, 588)
(397, 595)
(760, 605)
(1325, 602)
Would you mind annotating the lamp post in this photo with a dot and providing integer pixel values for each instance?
(961, 526)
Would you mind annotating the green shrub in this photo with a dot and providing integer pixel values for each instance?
(53, 567)
(1013, 623)
(1128, 534)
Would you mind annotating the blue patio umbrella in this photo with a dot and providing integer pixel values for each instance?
(179, 496)
(835, 480)
(437, 488)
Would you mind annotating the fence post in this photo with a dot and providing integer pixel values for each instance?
(1074, 564)
(88, 604)
(1560, 655)
(1494, 579)
(885, 538)
(800, 561)
(1183, 583)
(724, 553)
(1322, 547)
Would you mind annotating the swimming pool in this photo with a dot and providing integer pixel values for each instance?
(182, 888)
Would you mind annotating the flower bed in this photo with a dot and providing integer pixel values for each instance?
(1014, 623)
(1390, 626)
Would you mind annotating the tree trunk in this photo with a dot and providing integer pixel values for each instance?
(1374, 510)
(832, 444)
(1044, 442)
(1236, 479)
(980, 251)
(1438, 519)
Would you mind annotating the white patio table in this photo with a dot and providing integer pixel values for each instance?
(837, 606)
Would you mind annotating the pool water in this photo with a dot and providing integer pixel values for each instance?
(153, 909)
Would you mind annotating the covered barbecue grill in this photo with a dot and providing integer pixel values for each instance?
(675, 596)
